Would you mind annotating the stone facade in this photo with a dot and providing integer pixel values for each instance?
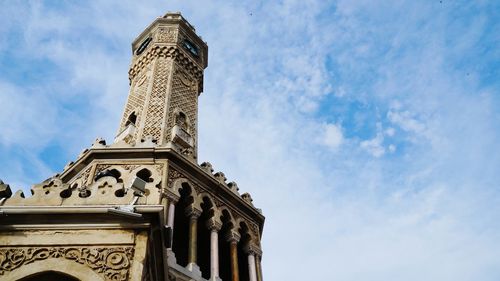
(140, 208)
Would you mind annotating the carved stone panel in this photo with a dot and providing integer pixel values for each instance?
(154, 117)
(113, 263)
(166, 35)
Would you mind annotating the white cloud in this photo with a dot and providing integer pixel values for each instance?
(333, 137)
(406, 121)
(374, 146)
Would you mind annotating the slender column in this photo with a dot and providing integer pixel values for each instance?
(214, 226)
(171, 214)
(252, 250)
(252, 273)
(233, 238)
(258, 266)
(171, 218)
(193, 215)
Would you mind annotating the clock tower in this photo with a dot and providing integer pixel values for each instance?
(140, 207)
(166, 78)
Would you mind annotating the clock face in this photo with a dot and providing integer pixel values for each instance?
(143, 46)
(191, 48)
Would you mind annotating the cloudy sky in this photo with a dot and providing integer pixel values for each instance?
(367, 131)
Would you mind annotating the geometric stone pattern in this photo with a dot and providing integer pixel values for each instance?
(135, 102)
(185, 98)
(112, 263)
(156, 105)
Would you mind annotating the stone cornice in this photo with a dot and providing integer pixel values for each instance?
(171, 51)
(179, 162)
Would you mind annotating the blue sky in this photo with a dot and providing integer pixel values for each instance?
(367, 131)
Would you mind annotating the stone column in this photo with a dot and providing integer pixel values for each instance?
(233, 238)
(252, 273)
(193, 215)
(258, 266)
(171, 214)
(252, 251)
(172, 200)
(214, 226)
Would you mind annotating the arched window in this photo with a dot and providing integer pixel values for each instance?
(132, 118)
(224, 250)
(145, 175)
(182, 121)
(242, 256)
(203, 239)
(181, 226)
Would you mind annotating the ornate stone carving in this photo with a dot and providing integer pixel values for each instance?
(166, 35)
(184, 97)
(214, 224)
(169, 52)
(112, 262)
(220, 177)
(153, 123)
(252, 249)
(84, 176)
(207, 167)
(247, 198)
(217, 202)
(192, 212)
(233, 236)
(135, 101)
(254, 228)
(130, 167)
(173, 174)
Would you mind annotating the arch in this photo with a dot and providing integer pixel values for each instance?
(228, 224)
(182, 120)
(224, 211)
(180, 184)
(203, 235)
(49, 276)
(245, 239)
(114, 173)
(132, 118)
(204, 198)
(145, 175)
(186, 194)
(67, 267)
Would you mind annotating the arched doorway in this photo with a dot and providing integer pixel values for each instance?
(49, 276)
(56, 269)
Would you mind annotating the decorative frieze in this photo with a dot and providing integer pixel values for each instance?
(113, 263)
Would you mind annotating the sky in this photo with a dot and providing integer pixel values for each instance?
(368, 132)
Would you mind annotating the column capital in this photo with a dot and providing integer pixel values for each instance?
(214, 225)
(192, 212)
(233, 236)
(252, 249)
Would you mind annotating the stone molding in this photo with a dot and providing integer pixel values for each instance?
(214, 225)
(233, 236)
(113, 263)
(192, 212)
(251, 249)
(168, 52)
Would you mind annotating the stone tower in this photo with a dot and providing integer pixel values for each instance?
(140, 208)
